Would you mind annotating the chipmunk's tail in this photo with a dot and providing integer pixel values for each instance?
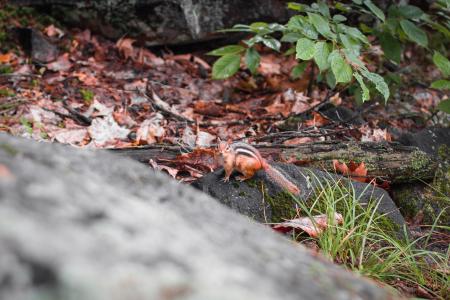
(280, 179)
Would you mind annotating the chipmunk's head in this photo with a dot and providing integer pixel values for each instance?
(223, 147)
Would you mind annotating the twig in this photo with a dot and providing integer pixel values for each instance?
(286, 135)
(158, 103)
(20, 75)
(315, 107)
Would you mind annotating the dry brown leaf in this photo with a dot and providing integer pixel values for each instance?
(151, 130)
(52, 31)
(61, 64)
(70, 136)
(317, 120)
(298, 141)
(376, 135)
(105, 131)
(208, 108)
(356, 171)
(171, 171)
(125, 47)
(307, 225)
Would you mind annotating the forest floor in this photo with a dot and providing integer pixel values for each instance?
(81, 89)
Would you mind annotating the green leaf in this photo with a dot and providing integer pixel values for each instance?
(296, 6)
(237, 28)
(304, 49)
(330, 79)
(350, 43)
(365, 91)
(442, 63)
(375, 10)
(298, 70)
(291, 37)
(441, 84)
(252, 59)
(231, 49)
(321, 53)
(414, 33)
(342, 7)
(323, 9)
(410, 11)
(379, 82)
(355, 33)
(392, 48)
(341, 69)
(322, 25)
(339, 18)
(272, 43)
(289, 51)
(301, 24)
(353, 57)
(442, 29)
(259, 27)
(444, 106)
(226, 66)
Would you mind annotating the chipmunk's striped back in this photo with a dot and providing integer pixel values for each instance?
(247, 150)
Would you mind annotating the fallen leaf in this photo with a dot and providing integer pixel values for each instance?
(171, 171)
(204, 139)
(150, 130)
(105, 130)
(5, 58)
(205, 158)
(52, 31)
(336, 99)
(87, 79)
(312, 228)
(61, 64)
(269, 65)
(71, 136)
(356, 171)
(317, 120)
(340, 167)
(376, 135)
(208, 108)
(298, 141)
(188, 137)
(125, 47)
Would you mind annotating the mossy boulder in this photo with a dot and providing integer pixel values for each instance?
(264, 201)
(430, 199)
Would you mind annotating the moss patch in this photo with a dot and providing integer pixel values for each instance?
(11, 150)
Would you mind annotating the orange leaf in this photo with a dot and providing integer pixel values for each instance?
(125, 46)
(360, 173)
(340, 167)
(318, 120)
(356, 171)
(5, 58)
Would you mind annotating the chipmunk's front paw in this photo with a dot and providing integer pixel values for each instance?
(225, 179)
(241, 178)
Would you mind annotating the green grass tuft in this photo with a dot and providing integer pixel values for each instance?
(363, 243)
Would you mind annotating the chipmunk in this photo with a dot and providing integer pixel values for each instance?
(247, 160)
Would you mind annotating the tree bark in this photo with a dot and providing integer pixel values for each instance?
(389, 161)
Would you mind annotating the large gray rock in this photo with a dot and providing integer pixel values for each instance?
(76, 224)
(162, 21)
(245, 197)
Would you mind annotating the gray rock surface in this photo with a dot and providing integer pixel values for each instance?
(75, 224)
(246, 197)
(159, 22)
(429, 140)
